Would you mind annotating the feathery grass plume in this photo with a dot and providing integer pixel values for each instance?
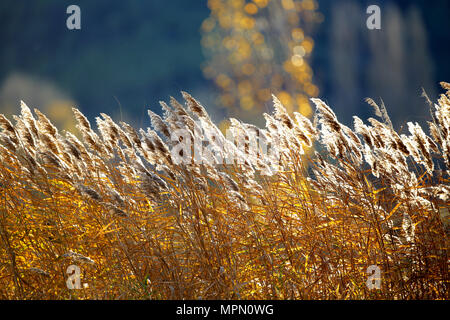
(327, 116)
(247, 139)
(77, 257)
(412, 148)
(112, 133)
(354, 144)
(7, 142)
(116, 197)
(446, 86)
(123, 136)
(31, 162)
(364, 131)
(381, 136)
(422, 145)
(195, 107)
(49, 143)
(25, 134)
(381, 132)
(159, 147)
(271, 124)
(106, 135)
(152, 184)
(94, 143)
(280, 113)
(132, 135)
(260, 133)
(434, 132)
(78, 147)
(112, 128)
(49, 158)
(172, 119)
(179, 110)
(115, 211)
(433, 146)
(27, 116)
(158, 124)
(442, 115)
(380, 111)
(89, 136)
(91, 193)
(8, 129)
(427, 99)
(72, 149)
(40, 272)
(83, 122)
(372, 103)
(45, 125)
(353, 137)
(229, 182)
(333, 135)
(397, 143)
(331, 143)
(148, 147)
(305, 125)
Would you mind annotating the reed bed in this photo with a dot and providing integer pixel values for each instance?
(300, 216)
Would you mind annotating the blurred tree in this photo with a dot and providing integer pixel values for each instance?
(345, 58)
(256, 48)
(393, 63)
(401, 65)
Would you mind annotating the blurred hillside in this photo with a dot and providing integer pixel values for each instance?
(133, 53)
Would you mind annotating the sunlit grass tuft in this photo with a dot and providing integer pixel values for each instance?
(283, 224)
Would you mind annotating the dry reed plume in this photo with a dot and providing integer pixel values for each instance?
(285, 224)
